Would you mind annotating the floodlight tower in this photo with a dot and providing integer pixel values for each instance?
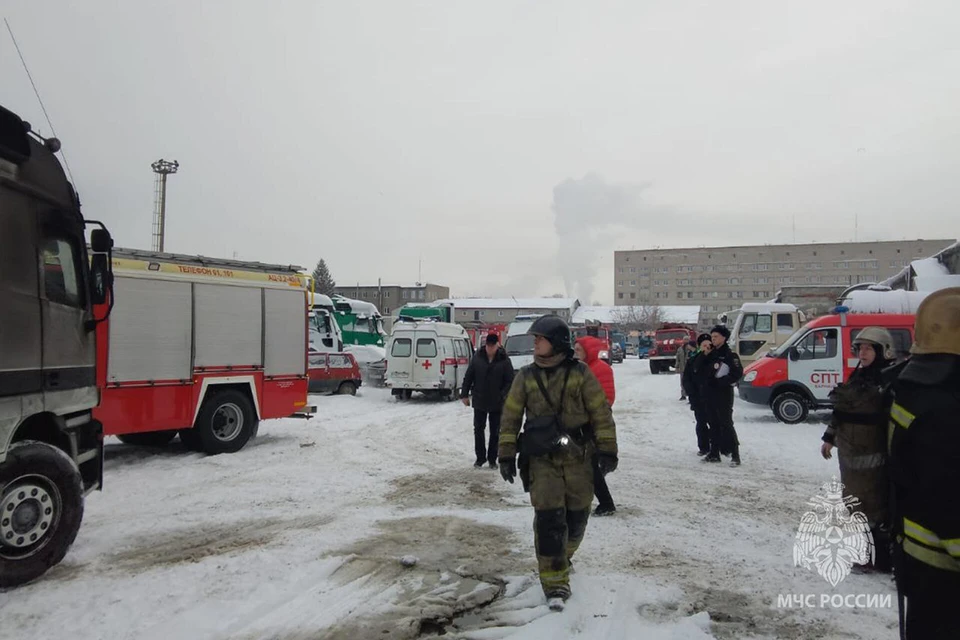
(162, 168)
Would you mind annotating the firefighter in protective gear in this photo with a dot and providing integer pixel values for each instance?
(563, 394)
(925, 472)
(857, 429)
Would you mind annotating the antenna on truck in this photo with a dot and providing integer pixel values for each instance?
(53, 146)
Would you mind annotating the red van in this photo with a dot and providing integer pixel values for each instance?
(798, 375)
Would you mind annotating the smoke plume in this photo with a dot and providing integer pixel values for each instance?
(588, 215)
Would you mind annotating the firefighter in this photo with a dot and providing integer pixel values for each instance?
(569, 427)
(726, 372)
(695, 381)
(857, 429)
(925, 471)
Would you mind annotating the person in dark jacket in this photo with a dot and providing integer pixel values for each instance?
(488, 377)
(725, 372)
(924, 465)
(695, 377)
(858, 429)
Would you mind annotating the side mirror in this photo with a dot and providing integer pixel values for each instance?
(793, 354)
(100, 278)
(100, 241)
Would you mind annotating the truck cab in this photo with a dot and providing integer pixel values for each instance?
(325, 334)
(763, 326)
(51, 447)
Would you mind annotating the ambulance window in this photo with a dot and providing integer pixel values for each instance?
(401, 348)
(784, 323)
(818, 345)
(426, 348)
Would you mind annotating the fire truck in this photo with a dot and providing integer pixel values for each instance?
(201, 347)
(670, 337)
(51, 447)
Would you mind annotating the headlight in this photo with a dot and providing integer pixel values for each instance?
(750, 377)
(604, 355)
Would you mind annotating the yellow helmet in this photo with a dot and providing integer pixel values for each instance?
(879, 337)
(937, 328)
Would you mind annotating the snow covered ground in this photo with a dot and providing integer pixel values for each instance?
(300, 535)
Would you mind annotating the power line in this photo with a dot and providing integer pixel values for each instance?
(39, 99)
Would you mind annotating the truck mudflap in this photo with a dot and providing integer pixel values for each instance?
(306, 412)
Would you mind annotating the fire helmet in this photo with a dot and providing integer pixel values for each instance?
(878, 337)
(937, 328)
(554, 329)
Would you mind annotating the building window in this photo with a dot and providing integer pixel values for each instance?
(734, 281)
(633, 283)
(633, 295)
(619, 283)
(689, 294)
(620, 270)
(620, 295)
(680, 294)
(500, 314)
(633, 269)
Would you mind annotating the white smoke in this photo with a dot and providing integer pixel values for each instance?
(588, 215)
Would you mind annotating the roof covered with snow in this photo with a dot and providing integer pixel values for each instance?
(512, 303)
(685, 314)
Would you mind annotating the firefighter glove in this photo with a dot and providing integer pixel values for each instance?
(606, 462)
(508, 469)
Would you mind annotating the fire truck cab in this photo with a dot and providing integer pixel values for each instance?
(51, 447)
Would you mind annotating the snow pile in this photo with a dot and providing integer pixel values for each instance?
(872, 301)
(932, 275)
(366, 353)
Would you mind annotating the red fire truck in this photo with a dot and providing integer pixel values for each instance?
(670, 337)
(201, 347)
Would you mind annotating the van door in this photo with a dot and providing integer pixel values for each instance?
(816, 361)
(400, 361)
(426, 364)
(463, 361)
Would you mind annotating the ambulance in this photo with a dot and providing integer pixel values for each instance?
(798, 376)
(429, 357)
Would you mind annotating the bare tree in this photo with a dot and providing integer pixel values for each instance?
(638, 318)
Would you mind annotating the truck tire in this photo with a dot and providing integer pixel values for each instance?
(148, 438)
(41, 506)
(225, 422)
(790, 407)
(654, 367)
(347, 388)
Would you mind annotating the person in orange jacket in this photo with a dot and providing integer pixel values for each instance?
(587, 350)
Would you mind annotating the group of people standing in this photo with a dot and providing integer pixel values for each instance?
(896, 430)
(709, 371)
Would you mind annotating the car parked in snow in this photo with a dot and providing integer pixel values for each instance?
(334, 373)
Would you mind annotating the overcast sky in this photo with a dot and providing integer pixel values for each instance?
(495, 139)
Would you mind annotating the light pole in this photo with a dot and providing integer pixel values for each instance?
(162, 168)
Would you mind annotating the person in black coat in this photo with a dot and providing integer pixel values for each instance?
(695, 377)
(725, 372)
(488, 377)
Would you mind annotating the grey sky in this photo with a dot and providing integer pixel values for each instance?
(370, 133)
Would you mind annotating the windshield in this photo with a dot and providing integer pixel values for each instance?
(521, 345)
(779, 351)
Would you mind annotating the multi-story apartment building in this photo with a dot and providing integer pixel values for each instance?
(723, 278)
(388, 298)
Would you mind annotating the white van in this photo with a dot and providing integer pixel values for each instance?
(519, 345)
(430, 357)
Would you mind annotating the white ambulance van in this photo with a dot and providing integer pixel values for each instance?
(429, 357)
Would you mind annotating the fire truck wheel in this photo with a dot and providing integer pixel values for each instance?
(790, 407)
(41, 506)
(148, 439)
(347, 388)
(225, 422)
